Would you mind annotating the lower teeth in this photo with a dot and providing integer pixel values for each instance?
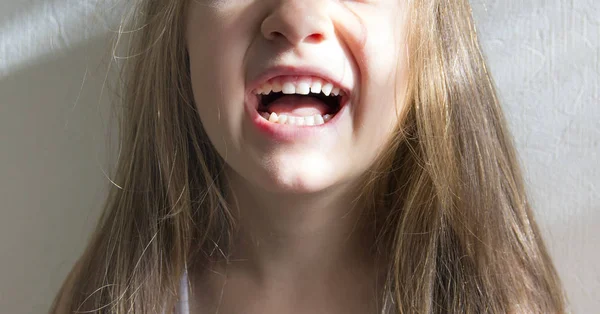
(316, 119)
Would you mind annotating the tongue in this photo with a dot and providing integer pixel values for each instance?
(298, 105)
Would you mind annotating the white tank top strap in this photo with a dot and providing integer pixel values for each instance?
(183, 306)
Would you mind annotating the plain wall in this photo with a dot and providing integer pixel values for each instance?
(54, 118)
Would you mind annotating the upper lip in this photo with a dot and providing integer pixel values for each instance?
(286, 70)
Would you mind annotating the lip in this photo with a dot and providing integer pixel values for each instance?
(278, 71)
(292, 133)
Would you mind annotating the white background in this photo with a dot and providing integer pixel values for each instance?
(54, 119)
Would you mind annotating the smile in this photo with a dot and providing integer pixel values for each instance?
(307, 104)
(299, 100)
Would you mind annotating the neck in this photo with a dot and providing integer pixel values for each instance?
(286, 233)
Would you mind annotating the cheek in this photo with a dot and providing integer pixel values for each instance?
(216, 77)
(384, 50)
(206, 78)
(384, 78)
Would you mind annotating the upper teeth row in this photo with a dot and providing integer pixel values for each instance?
(302, 86)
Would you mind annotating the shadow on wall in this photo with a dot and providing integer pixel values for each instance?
(38, 30)
(53, 128)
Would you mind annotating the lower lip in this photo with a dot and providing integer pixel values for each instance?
(292, 133)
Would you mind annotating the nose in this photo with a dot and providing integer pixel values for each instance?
(298, 21)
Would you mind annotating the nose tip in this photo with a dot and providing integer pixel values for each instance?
(297, 21)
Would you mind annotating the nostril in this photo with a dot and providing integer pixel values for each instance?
(315, 38)
(312, 39)
(274, 35)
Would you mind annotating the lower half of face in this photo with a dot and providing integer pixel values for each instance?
(291, 158)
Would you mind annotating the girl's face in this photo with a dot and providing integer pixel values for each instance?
(290, 50)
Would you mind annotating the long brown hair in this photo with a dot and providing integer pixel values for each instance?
(446, 196)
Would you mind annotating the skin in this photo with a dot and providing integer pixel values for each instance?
(298, 249)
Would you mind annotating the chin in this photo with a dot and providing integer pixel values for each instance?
(298, 184)
(306, 176)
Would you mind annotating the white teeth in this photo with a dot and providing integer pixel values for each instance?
(303, 88)
(319, 120)
(288, 88)
(282, 119)
(266, 89)
(326, 89)
(309, 120)
(276, 86)
(299, 86)
(273, 117)
(316, 87)
(316, 119)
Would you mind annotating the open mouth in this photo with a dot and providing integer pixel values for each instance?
(301, 101)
